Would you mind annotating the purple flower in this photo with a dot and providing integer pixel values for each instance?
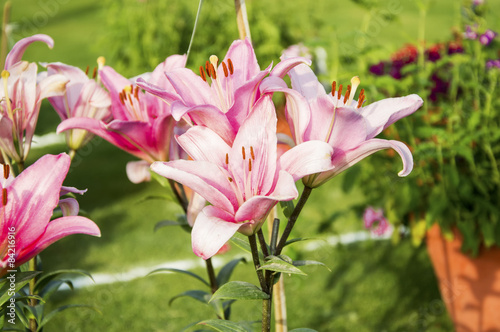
(487, 37)
(375, 221)
(470, 33)
(493, 64)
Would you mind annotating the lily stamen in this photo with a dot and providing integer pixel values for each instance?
(243, 152)
(202, 74)
(334, 87)
(224, 67)
(339, 94)
(347, 93)
(227, 159)
(94, 73)
(4, 196)
(87, 70)
(6, 171)
(251, 152)
(230, 65)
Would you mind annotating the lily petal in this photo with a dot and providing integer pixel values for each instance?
(381, 114)
(201, 143)
(307, 158)
(138, 171)
(57, 229)
(212, 229)
(17, 52)
(204, 177)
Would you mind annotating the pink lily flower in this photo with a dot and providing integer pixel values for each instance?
(243, 181)
(141, 125)
(344, 123)
(218, 98)
(374, 219)
(84, 97)
(26, 208)
(21, 97)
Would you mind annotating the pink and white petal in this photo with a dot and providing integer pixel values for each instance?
(33, 195)
(192, 89)
(16, 54)
(212, 118)
(53, 85)
(167, 95)
(287, 64)
(244, 61)
(56, 230)
(206, 178)
(383, 113)
(212, 229)
(258, 133)
(244, 98)
(304, 81)
(298, 112)
(69, 206)
(170, 63)
(307, 158)
(344, 160)
(349, 129)
(138, 171)
(196, 204)
(163, 135)
(201, 143)
(99, 128)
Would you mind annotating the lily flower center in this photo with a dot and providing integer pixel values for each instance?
(346, 102)
(243, 190)
(222, 88)
(129, 97)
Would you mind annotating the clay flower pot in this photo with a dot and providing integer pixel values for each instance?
(470, 287)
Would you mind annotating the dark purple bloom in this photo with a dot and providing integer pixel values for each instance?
(378, 69)
(487, 37)
(470, 33)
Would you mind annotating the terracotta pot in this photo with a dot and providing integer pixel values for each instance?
(470, 287)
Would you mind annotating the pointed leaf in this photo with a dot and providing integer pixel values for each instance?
(223, 325)
(303, 329)
(22, 278)
(278, 264)
(298, 239)
(166, 269)
(244, 245)
(239, 290)
(227, 270)
(198, 295)
(47, 277)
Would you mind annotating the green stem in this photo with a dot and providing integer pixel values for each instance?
(262, 242)
(211, 275)
(32, 267)
(267, 309)
(293, 218)
(256, 262)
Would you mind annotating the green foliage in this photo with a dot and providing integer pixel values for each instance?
(239, 290)
(454, 138)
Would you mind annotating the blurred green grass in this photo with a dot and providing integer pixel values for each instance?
(373, 286)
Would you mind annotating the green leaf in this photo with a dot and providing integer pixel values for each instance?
(47, 277)
(166, 269)
(303, 329)
(308, 262)
(287, 208)
(239, 290)
(298, 239)
(279, 264)
(198, 295)
(54, 312)
(22, 278)
(53, 286)
(243, 244)
(152, 197)
(227, 270)
(223, 325)
(350, 177)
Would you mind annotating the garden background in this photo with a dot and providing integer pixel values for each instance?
(372, 286)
